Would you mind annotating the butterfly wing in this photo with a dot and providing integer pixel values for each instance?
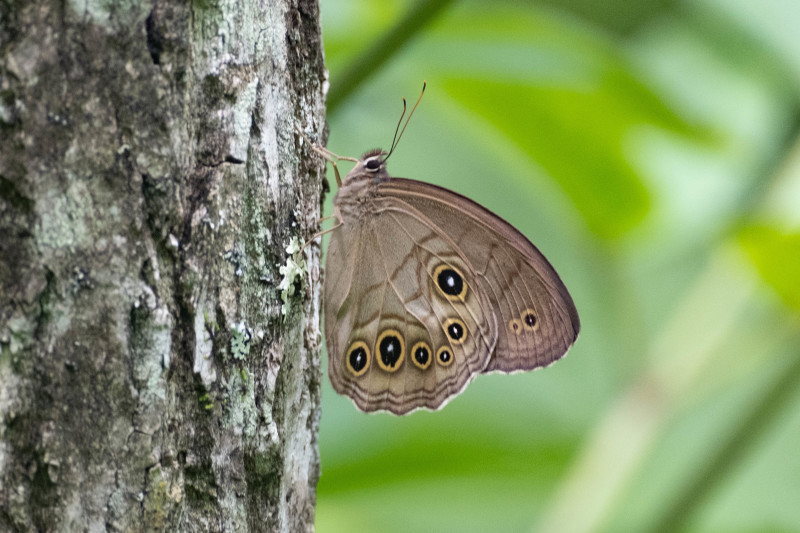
(536, 317)
(396, 340)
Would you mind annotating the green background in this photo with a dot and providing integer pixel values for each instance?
(650, 150)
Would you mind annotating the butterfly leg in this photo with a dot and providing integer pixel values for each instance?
(336, 173)
(332, 158)
(327, 155)
(319, 234)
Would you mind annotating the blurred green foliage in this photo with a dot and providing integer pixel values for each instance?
(650, 150)
(776, 255)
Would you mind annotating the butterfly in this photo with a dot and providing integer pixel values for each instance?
(425, 289)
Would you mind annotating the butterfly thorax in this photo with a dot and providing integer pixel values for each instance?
(355, 198)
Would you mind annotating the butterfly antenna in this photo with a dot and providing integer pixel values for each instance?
(397, 137)
(397, 129)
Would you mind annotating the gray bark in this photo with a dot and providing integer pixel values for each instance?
(151, 177)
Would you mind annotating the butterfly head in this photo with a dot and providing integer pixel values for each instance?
(371, 165)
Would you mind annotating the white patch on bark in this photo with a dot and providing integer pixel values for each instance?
(243, 121)
(291, 271)
(203, 362)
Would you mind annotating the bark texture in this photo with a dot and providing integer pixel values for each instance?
(151, 176)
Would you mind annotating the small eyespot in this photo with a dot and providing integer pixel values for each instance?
(529, 320)
(450, 282)
(357, 360)
(444, 356)
(389, 350)
(455, 330)
(421, 355)
(515, 325)
(372, 164)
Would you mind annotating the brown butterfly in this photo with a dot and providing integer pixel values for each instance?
(425, 289)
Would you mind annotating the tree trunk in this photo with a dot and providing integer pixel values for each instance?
(151, 177)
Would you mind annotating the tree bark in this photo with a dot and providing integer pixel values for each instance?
(151, 177)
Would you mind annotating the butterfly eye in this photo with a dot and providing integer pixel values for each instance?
(450, 282)
(444, 356)
(389, 350)
(358, 358)
(529, 320)
(455, 329)
(421, 355)
(373, 164)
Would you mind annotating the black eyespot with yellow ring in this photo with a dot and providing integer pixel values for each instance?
(450, 282)
(358, 358)
(421, 355)
(529, 320)
(455, 330)
(390, 350)
(444, 356)
(515, 325)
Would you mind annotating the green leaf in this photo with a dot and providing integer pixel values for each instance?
(776, 256)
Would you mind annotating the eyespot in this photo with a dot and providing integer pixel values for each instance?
(515, 325)
(529, 320)
(372, 164)
(421, 355)
(455, 330)
(389, 350)
(357, 359)
(450, 282)
(444, 356)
